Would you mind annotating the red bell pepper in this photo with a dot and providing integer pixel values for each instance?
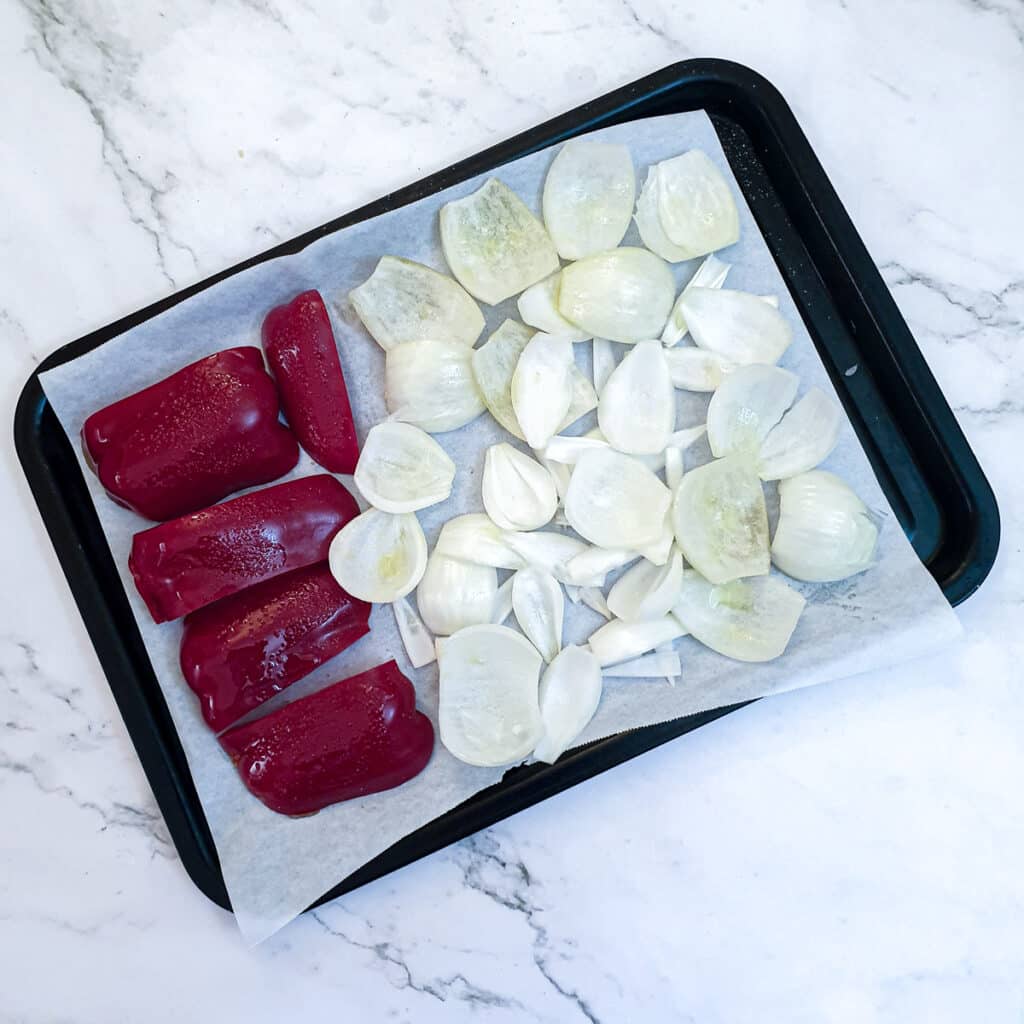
(193, 438)
(239, 652)
(193, 561)
(359, 736)
(299, 343)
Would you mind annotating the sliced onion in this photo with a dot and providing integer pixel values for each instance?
(583, 400)
(545, 550)
(673, 467)
(488, 711)
(696, 205)
(736, 325)
(475, 538)
(648, 666)
(647, 591)
(494, 363)
(518, 492)
(720, 520)
(825, 532)
(696, 369)
(502, 602)
(590, 566)
(568, 450)
(620, 641)
(494, 244)
(538, 306)
(542, 387)
(379, 557)
(637, 410)
(401, 469)
(710, 274)
(648, 221)
(454, 594)
(594, 599)
(615, 502)
(559, 474)
(658, 551)
(603, 363)
(540, 609)
(624, 294)
(570, 691)
(805, 436)
(403, 301)
(430, 384)
(418, 643)
(749, 403)
(749, 620)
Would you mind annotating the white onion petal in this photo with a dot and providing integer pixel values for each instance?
(494, 363)
(696, 207)
(658, 551)
(805, 436)
(648, 666)
(647, 591)
(637, 408)
(379, 557)
(720, 520)
(475, 538)
(673, 467)
(696, 369)
(454, 594)
(402, 468)
(749, 403)
(418, 643)
(710, 274)
(749, 620)
(595, 563)
(540, 609)
(603, 359)
(825, 532)
(538, 307)
(570, 691)
(488, 710)
(648, 221)
(568, 450)
(738, 326)
(542, 387)
(494, 245)
(518, 492)
(617, 641)
(594, 599)
(430, 384)
(545, 550)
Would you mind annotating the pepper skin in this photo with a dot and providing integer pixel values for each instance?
(193, 438)
(359, 736)
(299, 343)
(193, 561)
(239, 652)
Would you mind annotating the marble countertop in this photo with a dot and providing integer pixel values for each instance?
(848, 853)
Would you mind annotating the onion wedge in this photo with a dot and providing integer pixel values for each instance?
(518, 492)
(430, 384)
(402, 468)
(570, 691)
(540, 609)
(710, 274)
(748, 620)
(494, 363)
(494, 245)
(475, 538)
(488, 710)
(738, 326)
(379, 557)
(405, 301)
(648, 221)
(538, 307)
(621, 641)
(749, 403)
(454, 594)
(637, 409)
(542, 387)
(805, 436)
(647, 591)
(696, 207)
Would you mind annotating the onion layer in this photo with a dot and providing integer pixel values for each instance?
(570, 691)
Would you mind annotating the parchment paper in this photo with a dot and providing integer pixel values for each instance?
(276, 866)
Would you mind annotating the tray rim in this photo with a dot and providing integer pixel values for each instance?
(873, 296)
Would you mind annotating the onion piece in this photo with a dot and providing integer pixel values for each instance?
(696, 207)
(502, 602)
(624, 294)
(405, 301)
(454, 594)
(542, 387)
(616, 502)
(594, 599)
(736, 325)
(568, 450)
(488, 710)
(749, 620)
(595, 563)
(603, 359)
(673, 467)
(518, 492)
(545, 550)
(430, 384)
(570, 691)
(637, 409)
(696, 369)
(647, 591)
(648, 221)
(647, 666)
(494, 245)
(710, 274)
(720, 520)
(540, 609)
(805, 436)
(749, 403)
(475, 538)
(825, 531)
(658, 551)
(418, 643)
(538, 307)
(588, 197)
(559, 474)
(494, 363)
(379, 557)
(583, 400)
(620, 641)
(401, 469)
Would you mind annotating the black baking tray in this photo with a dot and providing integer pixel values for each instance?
(923, 462)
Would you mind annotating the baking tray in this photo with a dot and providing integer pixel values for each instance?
(923, 462)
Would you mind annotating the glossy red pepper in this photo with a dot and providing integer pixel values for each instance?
(193, 561)
(303, 356)
(193, 438)
(359, 736)
(239, 652)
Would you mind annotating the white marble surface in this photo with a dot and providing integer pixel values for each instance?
(846, 854)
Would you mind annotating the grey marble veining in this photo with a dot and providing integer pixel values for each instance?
(845, 854)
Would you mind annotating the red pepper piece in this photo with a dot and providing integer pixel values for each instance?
(193, 438)
(299, 343)
(193, 561)
(359, 736)
(239, 652)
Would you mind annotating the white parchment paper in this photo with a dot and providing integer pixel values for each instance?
(276, 866)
